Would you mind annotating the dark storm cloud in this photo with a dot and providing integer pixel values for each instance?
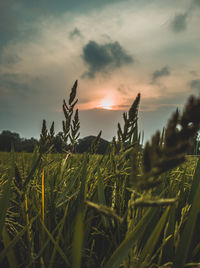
(195, 84)
(179, 22)
(160, 73)
(74, 33)
(101, 58)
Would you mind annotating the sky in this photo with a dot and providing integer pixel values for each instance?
(115, 48)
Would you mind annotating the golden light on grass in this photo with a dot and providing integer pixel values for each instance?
(27, 219)
(43, 195)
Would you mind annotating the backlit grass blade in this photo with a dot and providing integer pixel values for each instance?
(77, 241)
(133, 237)
(27, 219)
(43, 195)
(109, 212)
(4, 199)
(186, 236)
(33, 169)
(168, 249)
(63, 166)
(101, 196)
(78, 236)
(153, 239)
(83, 178)
(70, 184)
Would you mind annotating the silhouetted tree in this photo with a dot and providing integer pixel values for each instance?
(84, 145)
(58, 143)
(7, 138)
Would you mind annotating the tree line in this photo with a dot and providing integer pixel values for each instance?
(9, 139)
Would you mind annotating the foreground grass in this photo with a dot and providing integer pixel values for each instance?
(82, 211)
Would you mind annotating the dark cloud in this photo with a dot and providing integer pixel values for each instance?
(195, 84)
(74, 33)
(101, 58)
(179, 22)
(159, 73)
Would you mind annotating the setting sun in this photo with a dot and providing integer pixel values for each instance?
(106, 104)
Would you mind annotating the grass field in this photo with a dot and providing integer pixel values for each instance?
(83, 212)
(132, 207)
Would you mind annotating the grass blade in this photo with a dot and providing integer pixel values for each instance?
(34, 167)
(123, 250)
(186, 237)
(59, 250)
(15, 240)
(4, 200)
(43, 195)
(10, 253)
(195, 182)
(153, 239)
(58, 237)
(77, 241)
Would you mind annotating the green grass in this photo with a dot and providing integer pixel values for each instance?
(74, 233)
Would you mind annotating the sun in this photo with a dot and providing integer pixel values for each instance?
(106, 104)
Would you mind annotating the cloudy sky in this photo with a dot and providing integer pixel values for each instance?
(115, 48)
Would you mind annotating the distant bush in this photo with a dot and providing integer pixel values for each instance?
(8, 138)
(85, 143)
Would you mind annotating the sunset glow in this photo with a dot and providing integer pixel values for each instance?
(107, 104)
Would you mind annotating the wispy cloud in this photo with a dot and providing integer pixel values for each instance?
(75, 33)
(195, 84)
(160, 73)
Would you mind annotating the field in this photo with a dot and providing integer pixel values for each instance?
(82, 211)
(133, 206)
